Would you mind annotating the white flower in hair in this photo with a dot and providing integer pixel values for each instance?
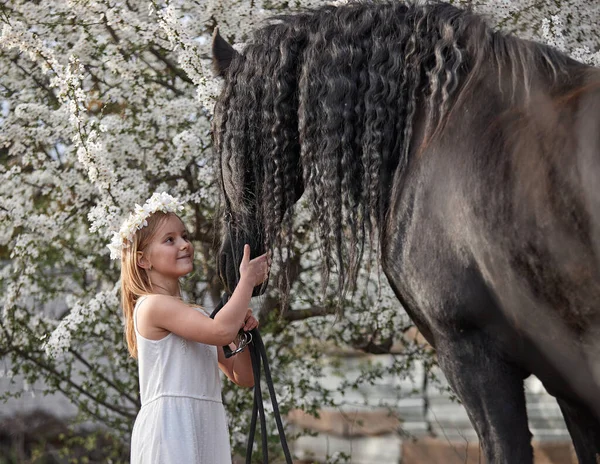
(139, 219)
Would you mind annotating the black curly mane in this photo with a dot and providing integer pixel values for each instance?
(346, 96)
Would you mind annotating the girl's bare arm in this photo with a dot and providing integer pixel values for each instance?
(173, 315)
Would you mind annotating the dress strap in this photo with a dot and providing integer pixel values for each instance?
(137, 305)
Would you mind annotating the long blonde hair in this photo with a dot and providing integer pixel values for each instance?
(134, 280)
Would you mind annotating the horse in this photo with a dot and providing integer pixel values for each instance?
(470, 159)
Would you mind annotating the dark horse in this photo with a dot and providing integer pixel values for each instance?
(471, 158)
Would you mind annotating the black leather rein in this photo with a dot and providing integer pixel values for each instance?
(258, 354)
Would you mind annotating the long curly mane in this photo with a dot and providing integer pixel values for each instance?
(338, 93)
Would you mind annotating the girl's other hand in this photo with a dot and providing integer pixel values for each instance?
(257, 269)
(250, 321)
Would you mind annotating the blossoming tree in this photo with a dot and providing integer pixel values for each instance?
(105, 102)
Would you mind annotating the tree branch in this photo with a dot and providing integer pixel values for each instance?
(40, 84)
(102, 377)
(172, 66)
(291, 315)
(61, 377)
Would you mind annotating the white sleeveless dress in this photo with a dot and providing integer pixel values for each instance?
(182, 419)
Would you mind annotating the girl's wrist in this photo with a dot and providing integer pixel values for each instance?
(245, 283)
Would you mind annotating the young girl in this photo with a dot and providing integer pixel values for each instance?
(178, 347)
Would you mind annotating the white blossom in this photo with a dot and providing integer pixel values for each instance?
(80, 313)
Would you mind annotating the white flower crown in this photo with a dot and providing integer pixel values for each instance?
(138, 219)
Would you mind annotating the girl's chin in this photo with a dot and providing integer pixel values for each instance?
(186, 270)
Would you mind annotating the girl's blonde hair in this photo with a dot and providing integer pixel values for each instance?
(134, 280)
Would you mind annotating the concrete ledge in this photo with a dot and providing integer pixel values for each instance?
(384, 449)
(439, 451)
(353, 423)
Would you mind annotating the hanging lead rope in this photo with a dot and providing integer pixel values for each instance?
(258, 354)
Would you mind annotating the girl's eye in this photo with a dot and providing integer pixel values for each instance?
(170, 239)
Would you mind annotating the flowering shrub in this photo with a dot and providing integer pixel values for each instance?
(104, 102)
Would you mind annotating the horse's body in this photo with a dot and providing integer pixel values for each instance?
(480, 182)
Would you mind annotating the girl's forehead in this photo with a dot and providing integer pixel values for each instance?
(171, 224)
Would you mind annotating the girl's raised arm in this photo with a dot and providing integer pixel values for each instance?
(171, 314)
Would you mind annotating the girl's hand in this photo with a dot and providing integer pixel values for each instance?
(257, 269)
(250, 321)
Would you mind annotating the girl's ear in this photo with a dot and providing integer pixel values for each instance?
(142, 261)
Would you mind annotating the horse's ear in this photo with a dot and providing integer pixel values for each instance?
(223, 53)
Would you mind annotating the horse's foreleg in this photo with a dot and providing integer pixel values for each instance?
(492, 392)
(584, 429)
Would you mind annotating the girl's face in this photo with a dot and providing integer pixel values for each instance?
(170, 252)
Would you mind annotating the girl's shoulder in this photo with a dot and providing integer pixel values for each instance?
(160, 301)
(153, 302)
(150, 299)
(140, 299)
